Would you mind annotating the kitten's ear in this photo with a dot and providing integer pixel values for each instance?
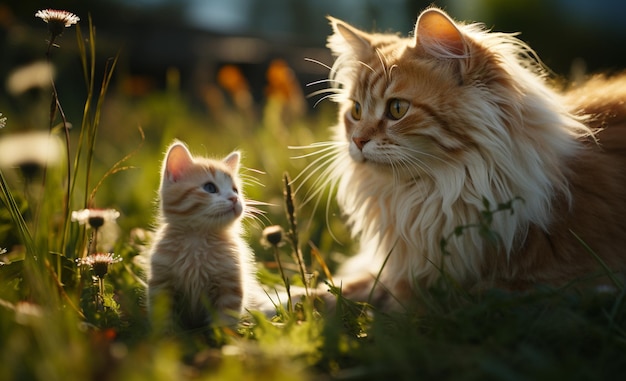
(347, 38)
(232, 161)
(177, 160)
(439, 36)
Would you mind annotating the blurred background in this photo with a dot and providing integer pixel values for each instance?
(226, 74)
(197, 37)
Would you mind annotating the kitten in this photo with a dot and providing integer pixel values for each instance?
(432, 125)
(199, 264)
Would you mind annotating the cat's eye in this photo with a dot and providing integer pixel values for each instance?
(397, 108)
(356, 110)
(210, 187)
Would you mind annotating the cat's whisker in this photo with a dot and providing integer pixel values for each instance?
(308, 173)
(247, 180)
(411, 163)
(312, 60)
(259, 203)
(318, 144)
(394, 66)
(383, 64)
(330, 96)
(329, 148)
(325, 80)
(331, 90)
(367, 66)
(322, 181)
(249, 169)
(257, 215)
(422, 153)
(324, 184)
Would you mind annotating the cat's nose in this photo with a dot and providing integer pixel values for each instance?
(360, 141)
(233, 199)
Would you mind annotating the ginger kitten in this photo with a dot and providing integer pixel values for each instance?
(433, 124)
(201, 269)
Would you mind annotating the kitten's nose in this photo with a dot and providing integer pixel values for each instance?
(233, 199)
(360, 141)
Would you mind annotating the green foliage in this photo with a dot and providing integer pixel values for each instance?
(61, 320)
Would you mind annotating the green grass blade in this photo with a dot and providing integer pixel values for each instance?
(16, 216)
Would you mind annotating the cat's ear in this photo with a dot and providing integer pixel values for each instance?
(346, 38)
(439, 36)
(177, 160)
(232, 161)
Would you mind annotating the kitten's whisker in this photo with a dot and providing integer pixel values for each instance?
(260, 203)
(259, 221)
(260, 172)
(251, 180)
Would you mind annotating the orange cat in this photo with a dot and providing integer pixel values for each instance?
(433, 125)
(200, 266)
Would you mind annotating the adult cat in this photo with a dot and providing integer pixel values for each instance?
(436, 127)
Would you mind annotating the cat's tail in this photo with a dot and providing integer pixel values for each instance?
(602, 100)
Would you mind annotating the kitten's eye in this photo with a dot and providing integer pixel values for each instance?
(235, 190)
(356, 111)
(398, 108)
(210, 187)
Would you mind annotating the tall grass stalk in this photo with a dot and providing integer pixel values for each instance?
(18, 219)
(293, 232)
(55, 106)
(90, 122)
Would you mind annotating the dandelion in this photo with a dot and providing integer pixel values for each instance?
(30, 152)
(3, 121)
(57, 20)
(95, 218)
(99, 263)
(34, 76)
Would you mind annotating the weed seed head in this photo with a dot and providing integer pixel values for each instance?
(272, 236)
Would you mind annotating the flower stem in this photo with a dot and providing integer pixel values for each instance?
(285, 280)
(56, 106)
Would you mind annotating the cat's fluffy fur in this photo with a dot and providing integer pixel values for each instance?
(201, 269)
(483, 123)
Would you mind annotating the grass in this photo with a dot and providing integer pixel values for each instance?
(58, 320)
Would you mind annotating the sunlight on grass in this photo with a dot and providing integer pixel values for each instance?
(73, 235)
